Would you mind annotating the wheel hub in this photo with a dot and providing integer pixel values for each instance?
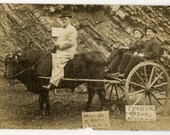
(147, 87)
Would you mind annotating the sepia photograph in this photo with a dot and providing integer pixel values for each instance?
(77, 66)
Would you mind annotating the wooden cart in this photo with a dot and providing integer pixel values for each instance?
(148, 83)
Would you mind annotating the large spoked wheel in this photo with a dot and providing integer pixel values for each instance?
(147, 84)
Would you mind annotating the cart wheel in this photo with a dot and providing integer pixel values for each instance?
(147, 84)
(115, 90)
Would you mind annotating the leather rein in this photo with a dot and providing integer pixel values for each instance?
(31, 67)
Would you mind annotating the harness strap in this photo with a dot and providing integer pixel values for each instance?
(31, 67)
(11, 76)
(40, 59)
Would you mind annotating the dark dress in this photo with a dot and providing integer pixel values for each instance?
(151, 51)
(120, 58)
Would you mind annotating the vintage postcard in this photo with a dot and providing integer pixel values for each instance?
(84, 66)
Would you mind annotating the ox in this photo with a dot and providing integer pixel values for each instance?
(28, 65)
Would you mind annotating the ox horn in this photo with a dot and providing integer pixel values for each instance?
(10, 54)
(19, 49)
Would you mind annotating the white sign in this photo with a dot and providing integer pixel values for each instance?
(57, 32)
(140, 113)
(96, 120)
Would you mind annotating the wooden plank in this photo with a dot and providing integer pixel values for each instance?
(86, 80)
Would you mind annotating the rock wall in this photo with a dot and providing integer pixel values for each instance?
(99, 27)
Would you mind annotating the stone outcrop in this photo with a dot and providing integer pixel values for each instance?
(99, 27)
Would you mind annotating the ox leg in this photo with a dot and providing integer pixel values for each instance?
(101, 95)
(41, 103)
(91, 93)
(47, 102)
(41, 106)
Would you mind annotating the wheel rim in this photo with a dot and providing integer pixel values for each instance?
(147, 84)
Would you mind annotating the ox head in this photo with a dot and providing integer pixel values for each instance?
(12, 65)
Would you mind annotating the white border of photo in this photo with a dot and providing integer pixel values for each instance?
(117, 2)
(85, 131)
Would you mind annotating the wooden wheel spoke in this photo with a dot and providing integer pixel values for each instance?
(156, 98)
(150, 78)
(138, 98)
(116, 92)
(108, 86)
(145, 100)
(146, 75)
(140, 78)
(121, 88)
(156, 91)
(156, 78)
(150, 99)
(157, 69)
(136, 92)
(137, 84)
(111, 92)
(160, 85)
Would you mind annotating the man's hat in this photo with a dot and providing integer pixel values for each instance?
(66, 14)
(140, 30)
(150, 28)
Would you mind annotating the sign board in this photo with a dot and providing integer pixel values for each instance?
(57, 32)
(96, 120)
(140, 113)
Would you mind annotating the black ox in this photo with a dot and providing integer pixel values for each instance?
(28, 66)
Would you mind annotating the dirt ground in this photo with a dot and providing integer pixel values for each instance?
(18, 109)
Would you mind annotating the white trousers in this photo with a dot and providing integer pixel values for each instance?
(58, 63)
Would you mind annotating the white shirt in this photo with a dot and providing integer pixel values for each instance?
(67, 42)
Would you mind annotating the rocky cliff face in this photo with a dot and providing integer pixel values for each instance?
(99, 27)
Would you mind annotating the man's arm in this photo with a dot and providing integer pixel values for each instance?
(70, 41)
(155, 50)
(138, 45)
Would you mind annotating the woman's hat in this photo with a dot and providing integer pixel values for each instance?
(140, 30)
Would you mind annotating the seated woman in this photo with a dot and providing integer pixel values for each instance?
(150, 51)
(114, 60)
(124, 54)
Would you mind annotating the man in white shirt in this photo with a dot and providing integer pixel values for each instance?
(66, 48)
